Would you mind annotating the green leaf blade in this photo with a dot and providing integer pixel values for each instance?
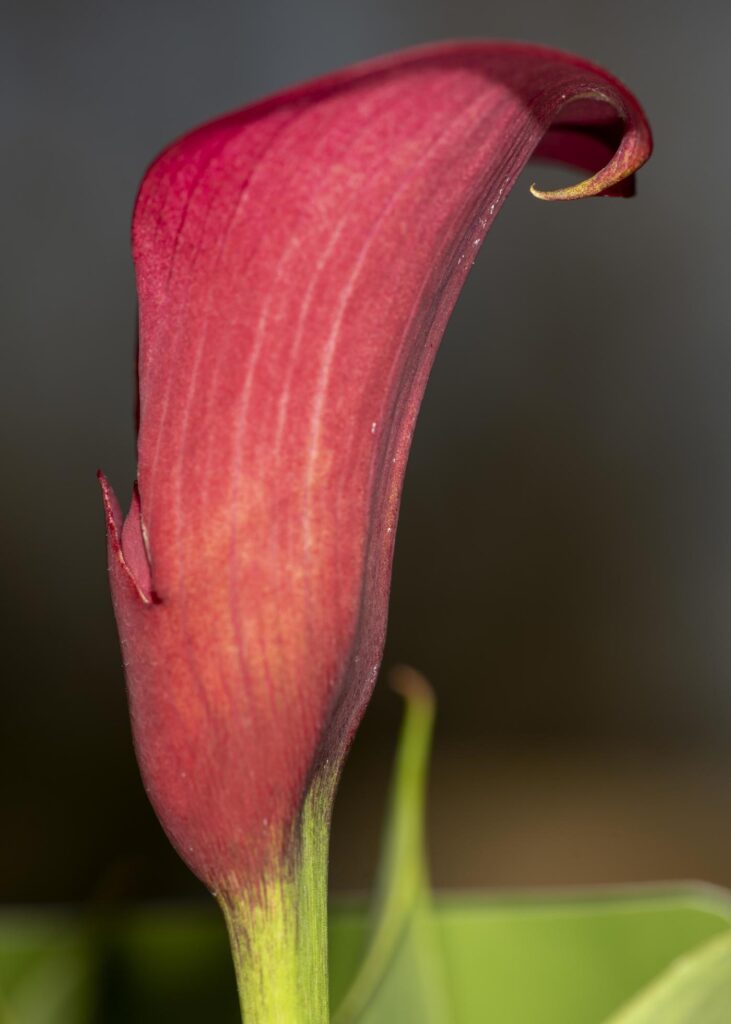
(401, 975)
(571, 960)
(696, 989)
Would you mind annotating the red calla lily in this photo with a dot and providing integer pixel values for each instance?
(297, 262)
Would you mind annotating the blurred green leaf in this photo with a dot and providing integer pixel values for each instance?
(550, 959)
(46, 971)
(401, 975)
(574, 960)
(696, 989)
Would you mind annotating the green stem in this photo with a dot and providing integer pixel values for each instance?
(278, 932)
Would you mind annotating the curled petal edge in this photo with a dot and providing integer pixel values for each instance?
(126, 544)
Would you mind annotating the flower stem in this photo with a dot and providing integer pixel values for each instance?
(278, 933)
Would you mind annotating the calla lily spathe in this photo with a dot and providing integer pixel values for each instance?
(297, 262)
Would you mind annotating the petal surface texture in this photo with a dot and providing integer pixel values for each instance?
(297, 263)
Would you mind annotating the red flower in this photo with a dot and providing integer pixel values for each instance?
(297, 263)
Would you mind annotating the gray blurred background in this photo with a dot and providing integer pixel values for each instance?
(563, 569)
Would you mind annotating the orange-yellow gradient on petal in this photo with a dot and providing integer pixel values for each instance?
(297, 262)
